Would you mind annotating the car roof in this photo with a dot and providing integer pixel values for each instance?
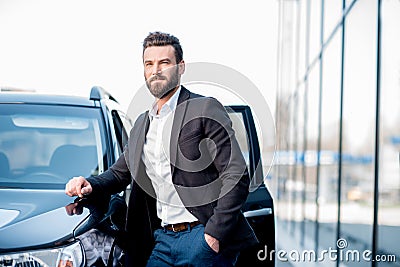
(40, 98)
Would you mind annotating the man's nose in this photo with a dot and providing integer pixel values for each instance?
(156, 69)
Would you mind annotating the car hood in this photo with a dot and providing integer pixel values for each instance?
(35, 219)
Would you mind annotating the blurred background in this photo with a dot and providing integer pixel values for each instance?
(336, 175)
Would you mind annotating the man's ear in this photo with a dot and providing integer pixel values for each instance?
(182, 67)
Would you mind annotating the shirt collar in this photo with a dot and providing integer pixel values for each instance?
(169, 106)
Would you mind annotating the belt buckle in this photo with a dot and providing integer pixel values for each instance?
(178, 229)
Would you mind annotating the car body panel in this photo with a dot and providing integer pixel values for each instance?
(45, 99)
(41, 221)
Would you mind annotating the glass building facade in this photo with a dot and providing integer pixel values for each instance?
(336, 173)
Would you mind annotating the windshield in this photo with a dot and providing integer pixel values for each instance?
(48, 144)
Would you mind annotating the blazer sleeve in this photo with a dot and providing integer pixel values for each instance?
(231, 168)
(119, 175)
(113, 180)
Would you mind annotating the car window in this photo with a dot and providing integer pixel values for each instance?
(121, 125)
(50, 144)
(240, 133)
(246, 134)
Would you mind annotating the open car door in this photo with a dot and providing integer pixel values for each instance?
(259, 208)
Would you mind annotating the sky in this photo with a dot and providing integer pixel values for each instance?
(66, 47)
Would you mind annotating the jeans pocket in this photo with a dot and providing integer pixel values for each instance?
(156, 234)
(206, 246)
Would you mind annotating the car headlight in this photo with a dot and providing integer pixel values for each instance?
(69, 256)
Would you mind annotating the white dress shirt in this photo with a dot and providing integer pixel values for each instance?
(156, 158)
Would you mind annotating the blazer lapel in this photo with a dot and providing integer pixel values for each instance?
(177, 124)
(139, 140)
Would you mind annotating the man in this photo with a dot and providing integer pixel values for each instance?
(188, 177)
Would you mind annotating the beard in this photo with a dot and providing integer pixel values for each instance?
(160, 90)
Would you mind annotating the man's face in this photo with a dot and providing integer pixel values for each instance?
(161, 71)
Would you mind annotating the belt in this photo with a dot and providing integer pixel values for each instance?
(179, 227)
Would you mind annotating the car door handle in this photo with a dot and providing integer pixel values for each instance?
(259, 212)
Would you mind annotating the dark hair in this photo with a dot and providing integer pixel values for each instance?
(163, 39)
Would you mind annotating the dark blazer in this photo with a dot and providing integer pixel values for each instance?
(208, 171)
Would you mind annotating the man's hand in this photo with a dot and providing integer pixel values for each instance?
(212, 242)
(78, 186)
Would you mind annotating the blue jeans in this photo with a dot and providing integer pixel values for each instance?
(186, 248)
